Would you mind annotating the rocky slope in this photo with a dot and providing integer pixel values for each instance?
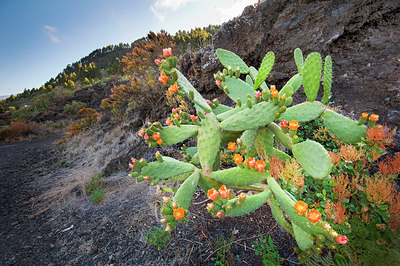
(361, 36)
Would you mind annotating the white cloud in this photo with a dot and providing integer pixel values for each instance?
(228, 9)
(161, 8)
(51, 33)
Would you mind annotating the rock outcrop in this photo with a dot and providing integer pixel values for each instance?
(363, 38)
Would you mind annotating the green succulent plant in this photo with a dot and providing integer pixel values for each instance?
(252, 129)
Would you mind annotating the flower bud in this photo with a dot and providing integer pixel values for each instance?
(220, 214)
(165, 199)
(174, 205)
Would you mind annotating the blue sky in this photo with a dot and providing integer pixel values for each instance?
(40, 38)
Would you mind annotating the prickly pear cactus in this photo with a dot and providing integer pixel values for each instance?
(260, 129)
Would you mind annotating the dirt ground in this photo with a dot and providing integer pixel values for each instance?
(38, 229)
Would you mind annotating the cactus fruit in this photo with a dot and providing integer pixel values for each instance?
(266, 66)
(312, 75)
(229, 59)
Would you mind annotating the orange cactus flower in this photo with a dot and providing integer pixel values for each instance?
(232, 146)
(284, 123)
(260, 165)
(301, 207)
(163, 78)
(131, 166)
(217, 82)
(293, 125)
(156, 136)
(169, 122)
(374, 118)
(176, 116)
(274, 93)
(212, 194)
(224, 192)
(313, 215)
(159, 142)
(167, 51)
(238, 159)
(364, 115)
(242, 195)
(146, 177)
(251, 162)
(173, 88)
(179, 213)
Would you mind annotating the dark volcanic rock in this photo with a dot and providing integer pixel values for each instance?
(361, 36)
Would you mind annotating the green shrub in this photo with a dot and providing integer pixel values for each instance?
(72, 109)
(156, 236)
(266, 249)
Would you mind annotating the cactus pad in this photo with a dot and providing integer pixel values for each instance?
(253, 74)
(264, 142)
(169, 168)
(303, 112)
(239, 177)
(229, 59)
(221, 109)
(345, 129)
(278, 215)
(260, 115)
(291, 86)
(266, 66)
(174, 134)
(186, 86)
(283, 138)
(313, 157)
(312, 75)
(249, 80)
(238, 89)
(185, 192)
(302, 237)
(227, 114)
(298, 58)
(248, 138)
(251, 203)
(208, 142)
(327, 79)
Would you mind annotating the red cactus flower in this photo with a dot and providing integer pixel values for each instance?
(284, 123)
(179, 213)
(217, 82)
(251, 162)
(131, 166)
(157, 61)
(242, 195)
(301, 207)
(313, 215)
(133, 160)
(342, 240)
(173, 88)
(146, 137)
(194, 118)
(220, 214)
(163, 60)
(212, 194)
(374, 118)
(258, 94)
(208, 102)
(224, 192)
(293, 125)
(163, 78)
(238, 159)
(167, 51)
(260, 165)
(232, 146)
